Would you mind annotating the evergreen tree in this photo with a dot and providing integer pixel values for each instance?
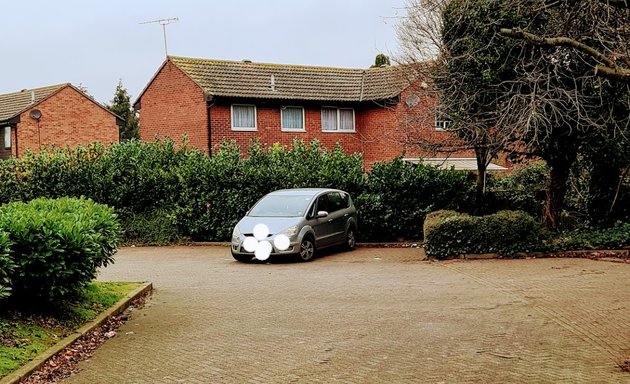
(380, 61)
(121, 106)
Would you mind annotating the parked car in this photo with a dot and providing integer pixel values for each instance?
(312, 219)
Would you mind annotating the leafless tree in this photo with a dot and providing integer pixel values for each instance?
(544, 77)
(609, 46)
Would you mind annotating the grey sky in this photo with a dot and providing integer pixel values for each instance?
(96, 43)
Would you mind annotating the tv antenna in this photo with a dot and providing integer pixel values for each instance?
(163, 23)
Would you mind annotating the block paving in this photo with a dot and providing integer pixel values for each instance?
(375, 315)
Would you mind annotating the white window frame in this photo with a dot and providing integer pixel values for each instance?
(339, 130)
(6, 137)
(244, 129)
(283, 129)
(441, 124)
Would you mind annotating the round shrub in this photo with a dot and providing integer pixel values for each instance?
(58, 245)
(506, 232)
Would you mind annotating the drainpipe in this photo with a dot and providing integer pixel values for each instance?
(210, 104)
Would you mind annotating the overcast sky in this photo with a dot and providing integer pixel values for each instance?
(96, 43)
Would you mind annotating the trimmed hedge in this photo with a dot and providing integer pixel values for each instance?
(57, 245)
(155, 227)
(397, 196)
(505, 232)
(201, 197)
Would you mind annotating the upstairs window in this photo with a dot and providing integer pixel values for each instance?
(441, 123)
(292, 118)
(243, 117)
(337, 119)
(7, 137)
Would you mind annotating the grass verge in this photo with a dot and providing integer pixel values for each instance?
(24, 334)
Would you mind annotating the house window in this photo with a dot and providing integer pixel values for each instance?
(338, 119)
(243, 117)
(7, 137)
(292, 118)
(442, 123)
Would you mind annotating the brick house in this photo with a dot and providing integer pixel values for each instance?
(59, 115)
(373, 111)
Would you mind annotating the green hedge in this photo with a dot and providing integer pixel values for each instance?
(398, 195)
(57, 245)
(201, 198)
(6, 265)
(155, 227)
(505, 232)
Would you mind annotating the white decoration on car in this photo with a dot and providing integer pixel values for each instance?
(260, 246)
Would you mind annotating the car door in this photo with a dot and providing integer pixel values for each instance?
(323, 226)
(337, 217)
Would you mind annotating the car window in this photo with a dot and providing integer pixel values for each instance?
(335, 201)
(322, 203)
(345, 198)
(281, 206)
(312, 211)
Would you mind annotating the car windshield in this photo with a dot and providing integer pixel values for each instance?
(281, 206)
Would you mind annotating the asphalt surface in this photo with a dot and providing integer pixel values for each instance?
(368, 316)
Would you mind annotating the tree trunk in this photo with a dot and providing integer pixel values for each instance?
(480, 190)
(560, 169)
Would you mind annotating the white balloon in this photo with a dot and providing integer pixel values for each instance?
(261, 231)
(250, 244)
(263, 250)
(281, 242)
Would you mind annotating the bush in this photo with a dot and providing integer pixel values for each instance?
(58, 245)
(505, 232)
(150, 228)
(6, 265)
(398, 195)
(205, 196)
(617, 237)
(219, 190)
(523, 189)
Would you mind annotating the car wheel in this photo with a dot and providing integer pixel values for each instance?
(351, 238)
(307, 249)
(242, 258)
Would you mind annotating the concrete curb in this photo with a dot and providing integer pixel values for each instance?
(122, 304)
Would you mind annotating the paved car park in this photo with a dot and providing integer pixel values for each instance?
(375, 315)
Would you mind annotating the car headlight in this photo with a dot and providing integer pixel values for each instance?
(291, 231)
(236, 233)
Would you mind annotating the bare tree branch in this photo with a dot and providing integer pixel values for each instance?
(610, 69)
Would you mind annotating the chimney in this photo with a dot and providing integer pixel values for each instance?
(273, 83)
(32, 97)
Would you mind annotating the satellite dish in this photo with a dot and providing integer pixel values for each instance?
(35, 114)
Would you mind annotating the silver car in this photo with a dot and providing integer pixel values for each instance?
(312, 219)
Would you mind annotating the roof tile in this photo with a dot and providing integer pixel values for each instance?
(12, 104)
(290, 82)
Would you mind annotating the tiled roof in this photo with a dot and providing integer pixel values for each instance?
(12, 104)
(294, 82)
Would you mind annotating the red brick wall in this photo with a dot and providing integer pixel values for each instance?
(68, 119)
(173, 105)
(269, 129)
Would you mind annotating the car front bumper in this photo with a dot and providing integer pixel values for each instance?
(237, 247)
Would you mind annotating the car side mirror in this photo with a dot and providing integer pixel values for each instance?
(321, 214)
